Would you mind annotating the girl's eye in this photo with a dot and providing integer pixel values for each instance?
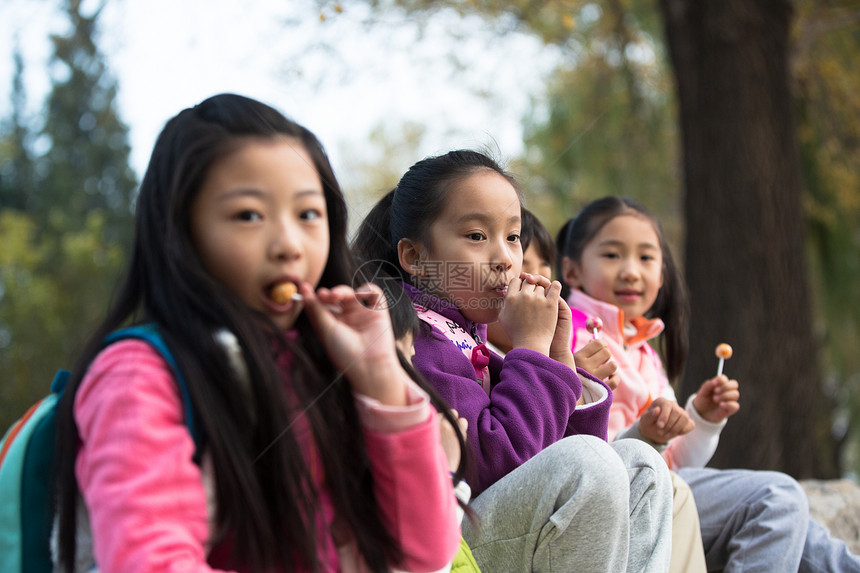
(609, 255)
(475, 236)
(514, 238)
(248, 215)
(311, 214)
(647, 258)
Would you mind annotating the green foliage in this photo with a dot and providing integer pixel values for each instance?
(609, 121)
(48, 308)
(86, 166)
(369, 178)
(827, 90)
(16, 164)
(65, 217)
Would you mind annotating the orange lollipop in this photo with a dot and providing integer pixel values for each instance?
(723, 352)
(284, 292)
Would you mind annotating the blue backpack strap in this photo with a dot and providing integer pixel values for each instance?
(149, 334)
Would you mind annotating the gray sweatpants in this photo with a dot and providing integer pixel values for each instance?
(579, 505)
(759, 521)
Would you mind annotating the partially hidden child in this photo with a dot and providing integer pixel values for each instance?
(617, 266)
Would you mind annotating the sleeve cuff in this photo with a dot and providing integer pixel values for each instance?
(594, 392)
(703, 425)
(378, 417)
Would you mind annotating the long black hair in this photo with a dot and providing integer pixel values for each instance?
(408, 211)
(266, 502)
(405, 323)
(671, 305)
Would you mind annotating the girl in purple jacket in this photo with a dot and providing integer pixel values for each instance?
(552, 495)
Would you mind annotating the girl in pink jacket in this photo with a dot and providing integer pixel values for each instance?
(316, 450)
(618, 267)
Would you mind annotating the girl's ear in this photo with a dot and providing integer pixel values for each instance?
(409, 256)
(570, 273)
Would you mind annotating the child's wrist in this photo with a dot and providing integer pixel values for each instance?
(564, 358)
(386, 384)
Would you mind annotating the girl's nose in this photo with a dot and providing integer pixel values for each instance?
(629, 270)
(502, 261)
(284, 243)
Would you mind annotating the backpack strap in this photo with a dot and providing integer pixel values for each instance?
(149, 334)
(477, 354)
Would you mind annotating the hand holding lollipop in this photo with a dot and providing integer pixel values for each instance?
(287, 291)
(717, 399)
(594, 325)
(723, 352)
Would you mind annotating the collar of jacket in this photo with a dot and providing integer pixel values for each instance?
(613, 319)
(448, 310)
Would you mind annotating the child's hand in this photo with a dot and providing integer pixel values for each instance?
(359, 340)
(663, 420)
(717, 399)
(449, 438)
(531, 312)
(596, 359)
(560, 347)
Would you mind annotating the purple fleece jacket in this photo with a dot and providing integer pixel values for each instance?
(532, 403)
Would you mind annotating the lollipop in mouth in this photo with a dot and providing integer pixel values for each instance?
(287, 291)
(284, 292)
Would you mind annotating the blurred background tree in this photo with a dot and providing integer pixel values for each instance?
(66, 192)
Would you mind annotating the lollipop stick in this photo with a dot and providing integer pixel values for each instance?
(720, 366)
(595, 325)
(332, 307)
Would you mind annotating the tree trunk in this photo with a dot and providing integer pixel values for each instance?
(745, 248)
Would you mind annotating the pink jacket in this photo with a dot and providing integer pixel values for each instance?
(642, 379)
(148, 503)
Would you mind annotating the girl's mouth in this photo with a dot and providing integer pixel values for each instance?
(500, 290)
(628, 295)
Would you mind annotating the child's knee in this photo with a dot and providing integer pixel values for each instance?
(585, 467)
(636, 454)
(783, 493)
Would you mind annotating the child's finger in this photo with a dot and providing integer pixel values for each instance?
(708, 385)
(612, 381)
(728, 396)
(597, 350)
(663, 418)
(543, 281)
(320, 317)
(605, 370)
(515, 285)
